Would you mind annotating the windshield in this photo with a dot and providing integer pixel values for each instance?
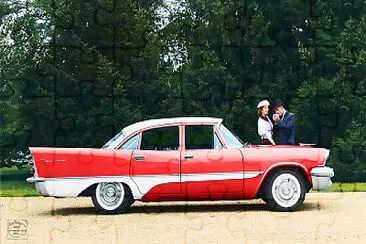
(117, 139)
(232, 141)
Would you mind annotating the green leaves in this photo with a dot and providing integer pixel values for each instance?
(73, 73)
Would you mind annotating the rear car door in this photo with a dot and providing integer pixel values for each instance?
(156, 162)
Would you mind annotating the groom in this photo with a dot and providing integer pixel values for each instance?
(285, 123)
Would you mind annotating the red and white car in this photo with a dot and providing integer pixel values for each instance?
(174, 159)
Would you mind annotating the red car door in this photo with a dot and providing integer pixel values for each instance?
(155, 165)
(209, 170)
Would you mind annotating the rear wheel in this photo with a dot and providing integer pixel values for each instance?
(112, 197)
(285, 190)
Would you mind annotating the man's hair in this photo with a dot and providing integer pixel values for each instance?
(280, 107)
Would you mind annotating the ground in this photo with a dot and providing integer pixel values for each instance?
(325, 217)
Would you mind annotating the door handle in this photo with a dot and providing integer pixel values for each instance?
(139, 157)
(188, 156)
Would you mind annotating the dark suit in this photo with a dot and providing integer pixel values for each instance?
(286, 129)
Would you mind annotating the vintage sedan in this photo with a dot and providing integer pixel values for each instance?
(180, 159)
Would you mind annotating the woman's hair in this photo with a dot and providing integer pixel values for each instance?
(260, 109)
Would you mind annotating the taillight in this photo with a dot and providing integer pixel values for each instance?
(31, 163)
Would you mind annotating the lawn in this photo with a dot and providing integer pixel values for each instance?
(13, 184)
(348, 187)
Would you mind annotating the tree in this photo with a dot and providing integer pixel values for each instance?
(73, 71)
(332, 95)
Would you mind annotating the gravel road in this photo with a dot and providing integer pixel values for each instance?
(325, 217)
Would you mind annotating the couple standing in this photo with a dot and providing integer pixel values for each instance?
(282, 120)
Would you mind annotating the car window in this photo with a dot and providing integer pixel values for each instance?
(232, 141)
(166, 138)
(199, 137)
(132, 143)
(115, 141)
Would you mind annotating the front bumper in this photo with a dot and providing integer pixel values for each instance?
(321, 177)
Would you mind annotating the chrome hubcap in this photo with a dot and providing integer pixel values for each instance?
(286, 190)
(110, 194)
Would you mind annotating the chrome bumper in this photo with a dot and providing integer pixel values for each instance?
(41, 184)
(321, 177)
(35, 179)
(61, 187)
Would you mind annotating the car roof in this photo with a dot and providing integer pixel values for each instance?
(166, 121)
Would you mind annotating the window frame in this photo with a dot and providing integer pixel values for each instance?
(181, 127)
(218, 138)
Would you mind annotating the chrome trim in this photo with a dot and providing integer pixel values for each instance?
(322, 171)
(320, 177)
(139, 157)
(244, 175)
(36, 179)
(220, 176)
(34, 166)
(188, 156)
(326, 157)
(41, 179)
(53, 161)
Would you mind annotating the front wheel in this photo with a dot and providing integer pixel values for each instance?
(112, 197)
(285, 190)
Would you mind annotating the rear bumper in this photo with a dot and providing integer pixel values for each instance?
(57, 187)
(46, 188)
(35, 179)
(321, 177)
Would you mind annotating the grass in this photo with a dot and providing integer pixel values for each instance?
(348, 187)
(13, 184)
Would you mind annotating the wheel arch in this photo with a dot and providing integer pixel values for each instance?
(90, 189)
(286, 166)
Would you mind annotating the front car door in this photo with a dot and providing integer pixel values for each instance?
(155, 165)
(209, 169)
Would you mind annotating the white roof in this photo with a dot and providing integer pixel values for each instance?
(164, 121)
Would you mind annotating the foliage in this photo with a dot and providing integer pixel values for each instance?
(73, 73)
(14, 184)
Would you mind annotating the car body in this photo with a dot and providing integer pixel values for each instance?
(175, 159)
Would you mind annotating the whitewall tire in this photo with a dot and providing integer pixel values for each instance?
(285, 190)
(112, 197)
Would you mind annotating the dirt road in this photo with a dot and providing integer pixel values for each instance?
(325, 217)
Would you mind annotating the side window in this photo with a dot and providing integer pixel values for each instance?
(166, 138)
(199, 137)
(131, 144)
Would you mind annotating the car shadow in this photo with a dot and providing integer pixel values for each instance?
(198, 208)
(179, 208)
